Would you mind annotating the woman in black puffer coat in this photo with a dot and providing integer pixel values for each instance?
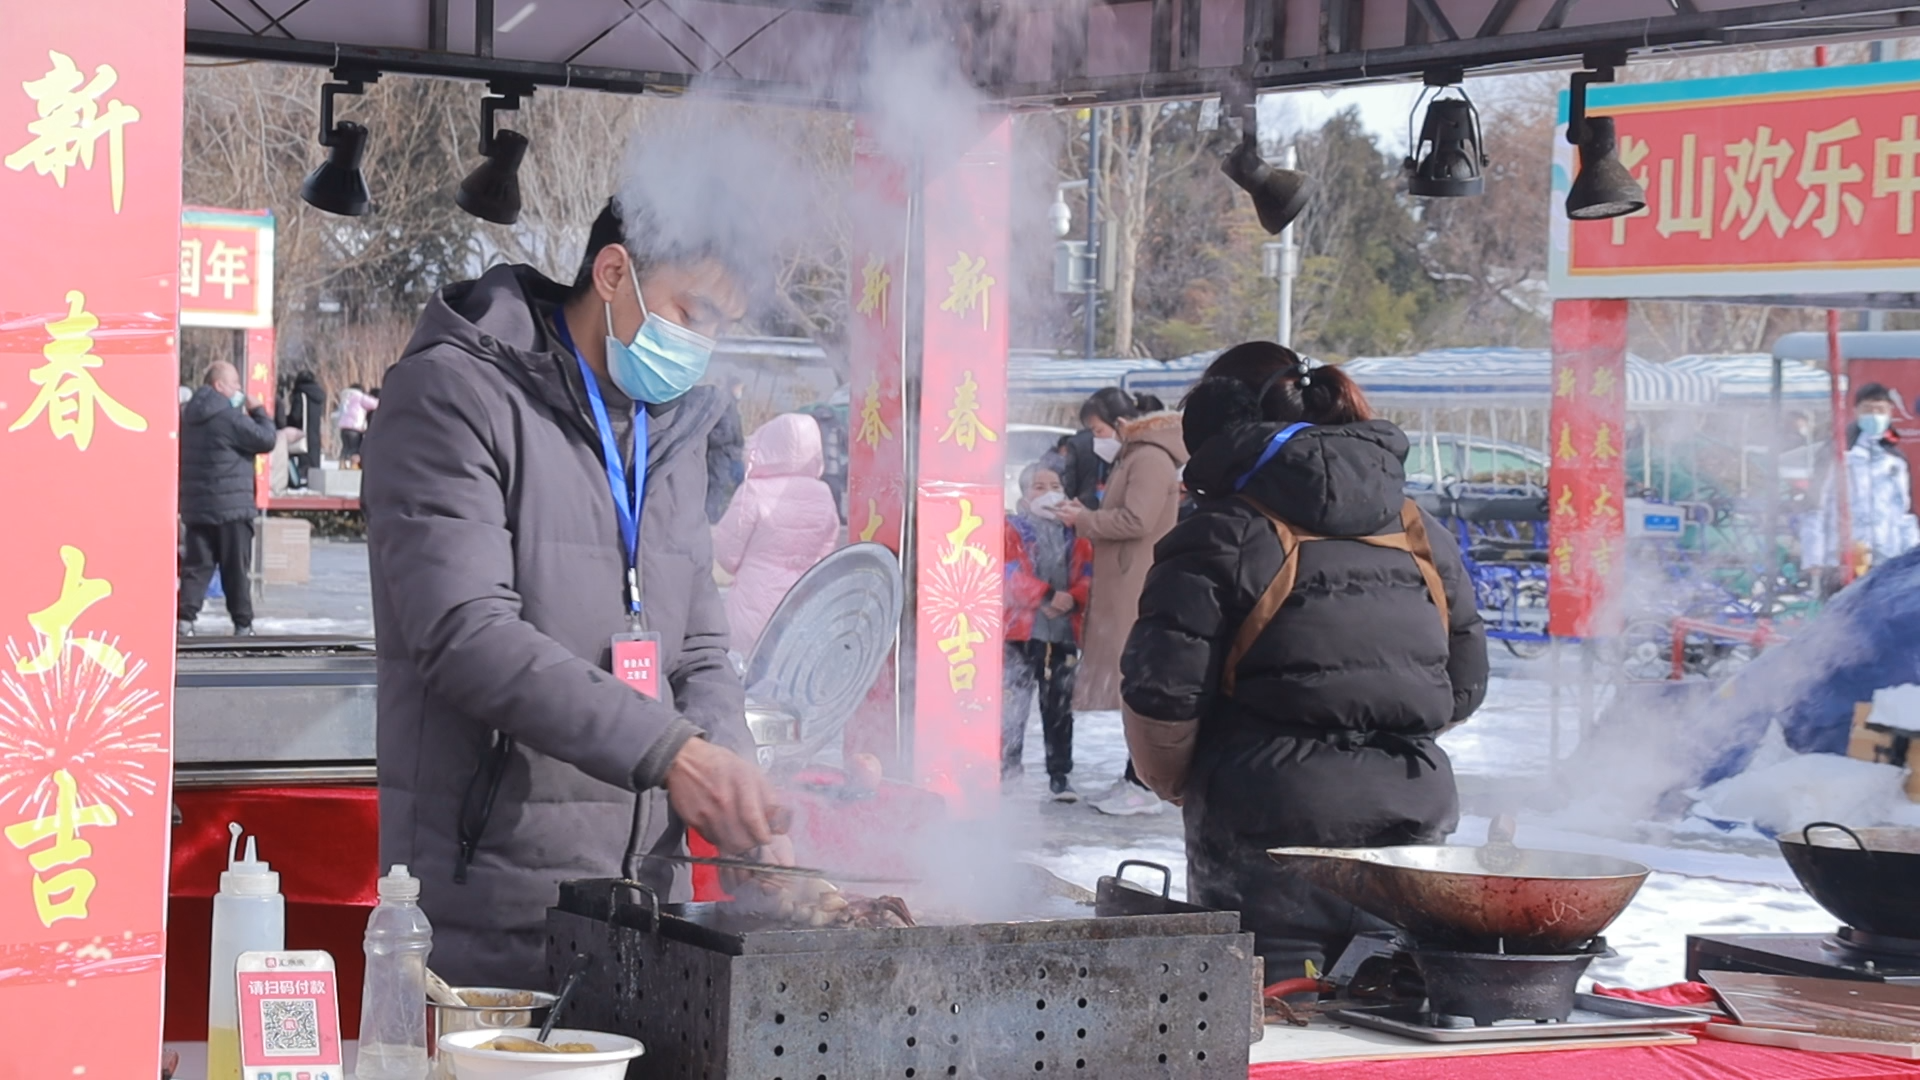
(1317, 730)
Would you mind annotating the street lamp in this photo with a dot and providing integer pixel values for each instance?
(1080, 256)
(1059, 215)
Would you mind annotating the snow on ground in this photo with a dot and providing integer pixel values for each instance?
(1698, 885)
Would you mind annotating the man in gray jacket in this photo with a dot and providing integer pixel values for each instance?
(504, 570)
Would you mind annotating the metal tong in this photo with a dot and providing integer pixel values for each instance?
(774, 869)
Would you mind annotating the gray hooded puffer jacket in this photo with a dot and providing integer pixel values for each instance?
(498, 576)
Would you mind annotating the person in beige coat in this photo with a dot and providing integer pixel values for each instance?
(1141, 504)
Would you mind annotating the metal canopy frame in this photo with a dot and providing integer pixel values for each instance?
(1020, 53)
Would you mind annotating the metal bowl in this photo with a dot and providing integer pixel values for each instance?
(486, 1014)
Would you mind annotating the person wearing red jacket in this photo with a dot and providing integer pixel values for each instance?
(1049, 573)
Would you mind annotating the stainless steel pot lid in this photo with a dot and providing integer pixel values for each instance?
(828, 639)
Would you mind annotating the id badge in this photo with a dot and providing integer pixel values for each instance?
(636, 661)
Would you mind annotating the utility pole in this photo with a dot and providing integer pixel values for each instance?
(1094, 253)
(1278, 261)
(1288, 255)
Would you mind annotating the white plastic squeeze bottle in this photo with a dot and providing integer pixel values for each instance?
(249, 915)
(393, 1004)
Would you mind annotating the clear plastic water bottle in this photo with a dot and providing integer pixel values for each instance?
(393, 1006)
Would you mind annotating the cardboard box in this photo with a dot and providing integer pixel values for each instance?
(1884, 747)
(287, 543)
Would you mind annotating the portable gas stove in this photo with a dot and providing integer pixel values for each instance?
(1845, 954)
(1387, 982)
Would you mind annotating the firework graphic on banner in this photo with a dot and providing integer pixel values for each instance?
(103, 729)
(962, 588)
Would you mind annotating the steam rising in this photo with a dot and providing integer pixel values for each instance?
(709, 182)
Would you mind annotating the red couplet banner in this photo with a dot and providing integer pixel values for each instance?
(876, 429)
(260, 383)
(959, 488)
(90, 119)
(1586, 485)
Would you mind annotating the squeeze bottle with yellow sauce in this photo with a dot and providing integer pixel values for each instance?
(249, 915)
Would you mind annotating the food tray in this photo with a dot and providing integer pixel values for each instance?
(1593, 1015)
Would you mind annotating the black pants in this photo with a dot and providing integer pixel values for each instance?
(1250, 790)
(350, 443)
(228, 547)
(1050, 666)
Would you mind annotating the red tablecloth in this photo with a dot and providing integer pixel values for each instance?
(1708, 1060)
(325, 844)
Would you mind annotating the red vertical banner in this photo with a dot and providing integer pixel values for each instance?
(876, 431)
(90, 118)
(259, 378)
(1587, 482)
(958, 492)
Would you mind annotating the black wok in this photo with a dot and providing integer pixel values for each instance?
(1867, 878)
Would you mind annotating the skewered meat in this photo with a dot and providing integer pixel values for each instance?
(812, 903)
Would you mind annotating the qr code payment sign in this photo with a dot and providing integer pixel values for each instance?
(290, 1026)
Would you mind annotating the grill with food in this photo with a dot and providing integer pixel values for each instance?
(714, 992)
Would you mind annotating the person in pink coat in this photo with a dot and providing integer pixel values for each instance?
(782, 520)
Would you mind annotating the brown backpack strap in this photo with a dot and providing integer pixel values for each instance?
(1415, 525)
(1412, 540)
(1269, 603)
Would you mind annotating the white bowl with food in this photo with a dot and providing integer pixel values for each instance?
(570, 1054)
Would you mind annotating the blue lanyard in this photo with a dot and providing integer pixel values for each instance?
(629, 494)
(1273, 447)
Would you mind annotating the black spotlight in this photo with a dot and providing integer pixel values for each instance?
(1604, 188)
(1278, 194)
(336, 185)
(491, 192)
(1448, 161)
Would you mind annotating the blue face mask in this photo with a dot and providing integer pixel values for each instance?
(1874, 425)
(238, 397)
(662, 362)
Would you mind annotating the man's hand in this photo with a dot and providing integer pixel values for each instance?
(1061, 603)
(255, 401)
(723, 795)
(739, 882)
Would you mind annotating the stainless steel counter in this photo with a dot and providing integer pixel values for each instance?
(274, 710)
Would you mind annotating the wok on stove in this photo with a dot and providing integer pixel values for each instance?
(1867, 878)
(1497, 898)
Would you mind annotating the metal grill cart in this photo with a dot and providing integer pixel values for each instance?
(713, 996)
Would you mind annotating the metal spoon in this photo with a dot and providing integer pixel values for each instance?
(576, 971)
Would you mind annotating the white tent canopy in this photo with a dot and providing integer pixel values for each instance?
(1747, 378)
(1510, 378)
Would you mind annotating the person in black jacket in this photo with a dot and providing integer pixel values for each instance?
(306, 411)
(221, 433)
(1308, 719)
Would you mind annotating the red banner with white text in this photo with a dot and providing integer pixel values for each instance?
(959, 486)
(90, 120)
(1789, 183)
